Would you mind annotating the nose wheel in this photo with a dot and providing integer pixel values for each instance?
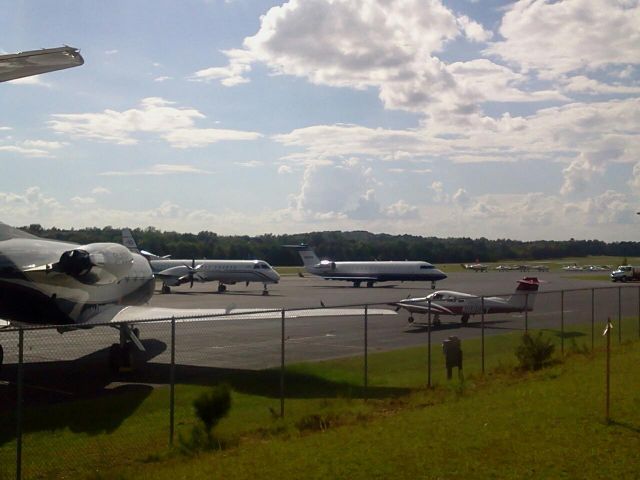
(265, 291)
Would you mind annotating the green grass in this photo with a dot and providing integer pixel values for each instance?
(128, 432)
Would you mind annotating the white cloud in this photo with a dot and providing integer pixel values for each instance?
(163, 78)
(110, 52)
(159, 169)
(33, 148)
(284, 170)
(101, 191)
(250, 164)
(155, 115)
(35, 80)
(560, 37)
(83, 201)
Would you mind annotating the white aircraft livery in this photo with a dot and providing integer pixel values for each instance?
(446, 302)
(225, 272)
(368, 272)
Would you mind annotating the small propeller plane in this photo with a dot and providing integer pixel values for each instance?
(476, 267)
(446, 302)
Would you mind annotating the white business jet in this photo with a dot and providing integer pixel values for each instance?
(369, 272)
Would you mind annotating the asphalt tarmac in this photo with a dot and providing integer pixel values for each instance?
(256, 344)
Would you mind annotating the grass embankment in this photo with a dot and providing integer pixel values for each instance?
(547, 424)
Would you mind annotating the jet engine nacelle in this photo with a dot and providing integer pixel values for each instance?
(96, 262)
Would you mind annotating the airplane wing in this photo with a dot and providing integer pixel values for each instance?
(135, 314)
(413, 307)
(35, 62)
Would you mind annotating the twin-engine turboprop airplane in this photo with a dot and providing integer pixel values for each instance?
(70, 286)
(445, 302)
(225, 272)
(369, 272)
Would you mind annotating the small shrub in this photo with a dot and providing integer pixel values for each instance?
(533, 353)
(210, 408)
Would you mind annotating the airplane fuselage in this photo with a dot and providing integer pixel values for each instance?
(224, 271)
(32, 296)
(379, 271)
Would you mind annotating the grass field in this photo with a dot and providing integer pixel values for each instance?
(506, 425)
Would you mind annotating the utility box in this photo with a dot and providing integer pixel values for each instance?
(452, 349)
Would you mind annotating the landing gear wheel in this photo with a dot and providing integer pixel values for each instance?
(222, 288)
(356, 284)
(465, 319)
(436, 321)
(410, 319)
(165, 289)
(369, 284)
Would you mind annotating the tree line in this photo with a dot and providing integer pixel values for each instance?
(357, 245)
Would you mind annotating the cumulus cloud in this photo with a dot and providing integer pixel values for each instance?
(154, 115)
(559, 37)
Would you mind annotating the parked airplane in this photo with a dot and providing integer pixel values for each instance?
(445, 302)
(225, 272)
(369, 272)
(70, 286)
(476, 267)
(35, 62)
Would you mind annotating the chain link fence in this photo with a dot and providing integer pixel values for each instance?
(60, 402)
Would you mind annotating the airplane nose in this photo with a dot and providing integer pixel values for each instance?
(275, 275)
(441, 275)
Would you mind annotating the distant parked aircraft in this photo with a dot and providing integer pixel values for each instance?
(476, 267)
(369, 272)
(225, 272)
(446, 302)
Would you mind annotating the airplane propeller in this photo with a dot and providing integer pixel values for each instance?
(192, 271)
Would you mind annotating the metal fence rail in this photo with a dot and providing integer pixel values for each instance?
(42, 371)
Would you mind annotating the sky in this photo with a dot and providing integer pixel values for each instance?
(475, 118)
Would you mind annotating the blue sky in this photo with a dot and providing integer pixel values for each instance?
(436, 118)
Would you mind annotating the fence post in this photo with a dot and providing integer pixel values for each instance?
(562, 322)
(19, 404)
(366, 351)
(429, 346)
(482, 328)
(619, 314)
(526, 313)
(607, 333)
(172, 382)
(593, 316)
(282, 367)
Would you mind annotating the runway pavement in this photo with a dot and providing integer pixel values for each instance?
(255, 344)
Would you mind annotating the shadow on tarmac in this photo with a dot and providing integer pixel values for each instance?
(84, 396)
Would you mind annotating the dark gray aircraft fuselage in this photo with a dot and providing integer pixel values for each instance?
(50, 282)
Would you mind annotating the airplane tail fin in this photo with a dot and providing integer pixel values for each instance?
(308, 256)
(128, 241)
(525, 294)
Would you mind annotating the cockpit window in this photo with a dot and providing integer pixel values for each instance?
(426, 267)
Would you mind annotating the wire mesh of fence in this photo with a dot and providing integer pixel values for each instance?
(63, 402)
